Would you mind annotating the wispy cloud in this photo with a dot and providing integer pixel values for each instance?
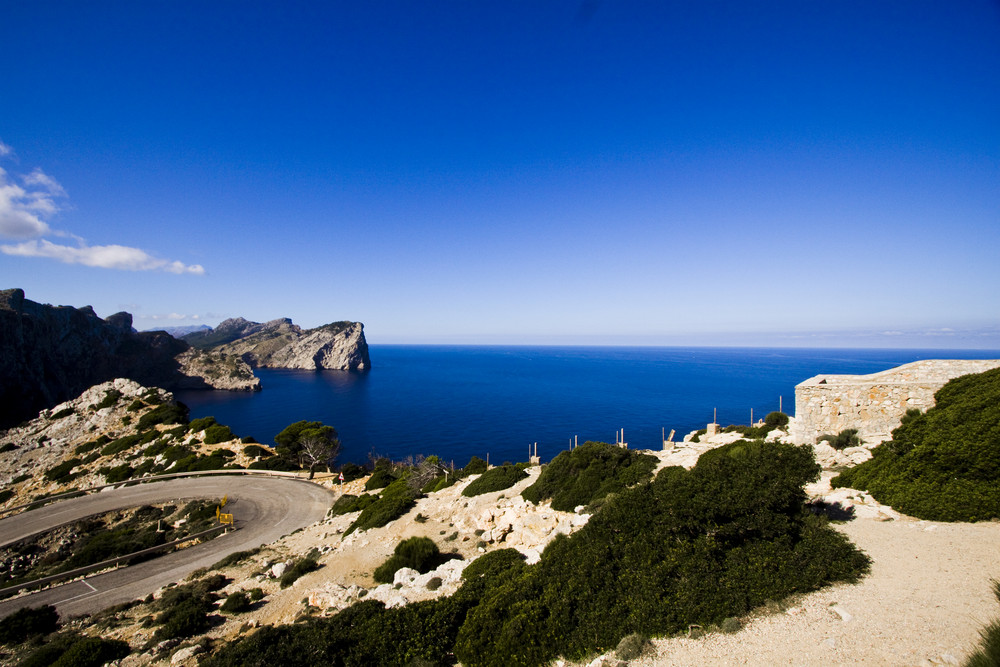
(21, 208)
(101, 256)
(28, 202)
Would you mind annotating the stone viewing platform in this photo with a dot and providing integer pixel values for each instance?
(874, 404)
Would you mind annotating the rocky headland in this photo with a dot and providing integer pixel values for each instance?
(281, 344)
(49, 354)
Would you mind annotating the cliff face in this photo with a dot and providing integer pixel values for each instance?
(49, 354)
(281, 344)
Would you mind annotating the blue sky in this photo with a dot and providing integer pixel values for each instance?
(767, 173)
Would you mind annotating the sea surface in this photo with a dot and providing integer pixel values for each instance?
(459, 401)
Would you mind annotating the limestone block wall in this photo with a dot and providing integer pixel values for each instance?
(874, 404)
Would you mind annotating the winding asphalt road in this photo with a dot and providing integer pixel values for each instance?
(265, 508)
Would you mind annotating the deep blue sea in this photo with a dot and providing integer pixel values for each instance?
(456, 401)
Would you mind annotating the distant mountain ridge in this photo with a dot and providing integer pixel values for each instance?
(178, 332)
(49, 354)
(281, 344)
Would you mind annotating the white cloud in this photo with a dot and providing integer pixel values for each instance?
(101, 256)
(20, 209)
(24, 208)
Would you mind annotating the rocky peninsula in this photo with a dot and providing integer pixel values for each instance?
(282, 344)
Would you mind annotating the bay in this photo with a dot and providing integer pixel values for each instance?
(459, 401)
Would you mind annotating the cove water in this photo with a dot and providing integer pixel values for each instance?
(459, 401)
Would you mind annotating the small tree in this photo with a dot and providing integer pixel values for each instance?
(318, 449)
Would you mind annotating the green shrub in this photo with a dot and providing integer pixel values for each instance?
(987, 654)
(236, 603)
(256, 451)
(397, 499)
(692, 547)
(28, 621)
(234, 558)
(92, 445)
(475, 466)
(111, 398)
(127, 442)
(116, 474)
(776, 420)
(167, 413)
(846, 438)
(218, 433)
(93, 652)
(299, 568)
(65, 412)
(941, 465)
(380, 479)
(587, 473)
(418, 553)
(347, 503)
(62, 471)
(496, 479)
(186, 618)
(352, 471)
(135, 406)
(6, 495)
(200, 424)
(256, 594)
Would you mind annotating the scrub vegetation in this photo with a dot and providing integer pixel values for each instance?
(688, 547)
(944, 464)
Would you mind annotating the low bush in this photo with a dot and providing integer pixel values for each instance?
(256, 451)
(475, 466)
(218, 433)
(941, 465)
(111, 398)
(65, 412)
(234, 558)
(587, 473)
(352, 471)
(496, 479)
(167, 413)
(200, 424)
(846, 438)
(121, 444)
(418, 553)
(236, 603)
(348, 503)
(186, 618)
(299, 568)
(397, 499)
(116, 474)
(776, 420)
(92, 445)
(380, 479)
(92, 652)
(62, 471)
(6, 495)
(27, 622)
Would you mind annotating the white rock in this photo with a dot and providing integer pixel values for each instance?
(404, 576)
(185, 654)
(279, 569)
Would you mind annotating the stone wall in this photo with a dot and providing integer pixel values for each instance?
(874, 404)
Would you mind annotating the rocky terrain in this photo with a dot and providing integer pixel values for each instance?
(922, 604)
(282, 344)
(49, 354)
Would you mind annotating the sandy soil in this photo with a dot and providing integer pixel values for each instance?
(923, 603)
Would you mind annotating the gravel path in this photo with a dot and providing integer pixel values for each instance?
(923, 603)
